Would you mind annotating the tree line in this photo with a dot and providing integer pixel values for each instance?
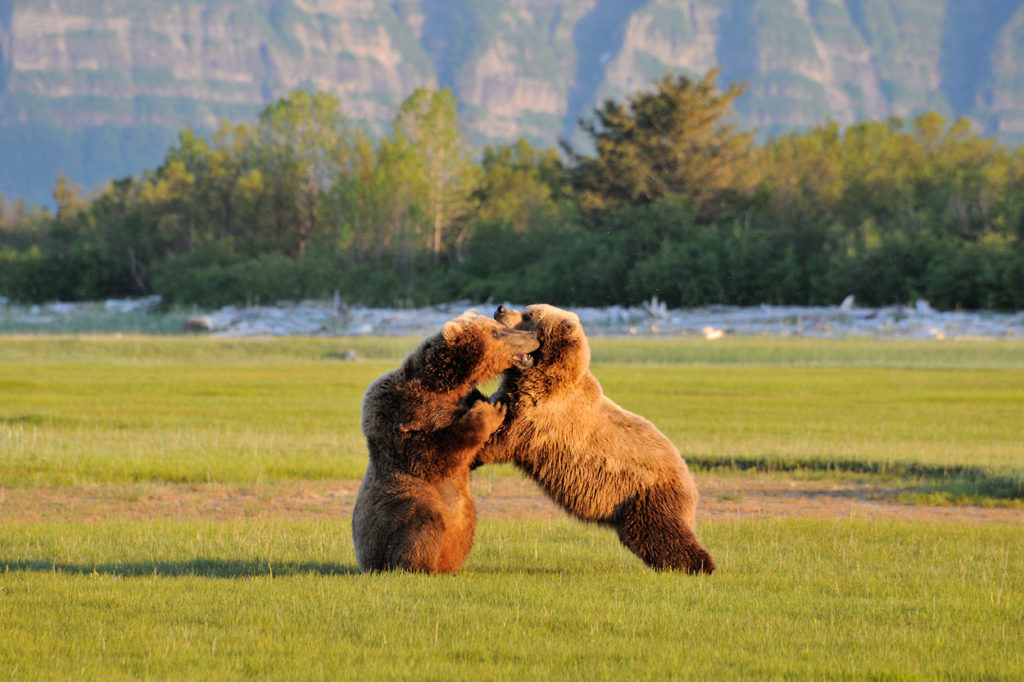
(666, 199)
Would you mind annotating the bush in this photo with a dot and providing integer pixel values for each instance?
(959, 277)
(80, 274)
(267, 279)
(275, 277)
(687, 273)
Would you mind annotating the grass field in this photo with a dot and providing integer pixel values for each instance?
(76, 410)
(280, 598)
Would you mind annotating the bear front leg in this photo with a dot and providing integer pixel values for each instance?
(497, 449)
(474, 396)
(468, 401)
(494, 451)
(447, 450)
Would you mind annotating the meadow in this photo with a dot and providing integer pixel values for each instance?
(102, 409)
(279, 597)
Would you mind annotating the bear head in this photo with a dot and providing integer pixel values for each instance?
(564, 354)
(468, 350)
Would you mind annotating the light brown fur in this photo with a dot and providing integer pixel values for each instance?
(598, 461)
(423, 427)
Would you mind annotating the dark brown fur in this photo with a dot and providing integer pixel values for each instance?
(595, 459)
(423, 428)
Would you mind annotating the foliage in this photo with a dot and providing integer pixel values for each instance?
(673, 203)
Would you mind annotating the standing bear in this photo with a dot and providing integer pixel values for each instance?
(424, 423)
(595, 459)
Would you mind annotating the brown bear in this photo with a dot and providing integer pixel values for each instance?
(595, 459)
(424, 424)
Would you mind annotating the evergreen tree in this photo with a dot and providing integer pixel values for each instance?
(674, 140)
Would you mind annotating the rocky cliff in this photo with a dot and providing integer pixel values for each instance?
(100, 87)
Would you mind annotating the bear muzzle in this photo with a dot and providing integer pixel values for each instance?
(522, 344)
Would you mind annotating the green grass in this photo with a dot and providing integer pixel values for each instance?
(101, 409)
(279, 599)
(850, 353)
(65, 423)
(745, 351)
(931, 418)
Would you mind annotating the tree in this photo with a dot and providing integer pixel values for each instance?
(675, 140)
(125, 231)
(520, 185)
(428, 128)
(68, 198)
(394, 190)
(303, 144)
(963, 178)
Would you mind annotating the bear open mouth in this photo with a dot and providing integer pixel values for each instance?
(522, 360)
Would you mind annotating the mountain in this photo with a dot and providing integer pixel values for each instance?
(100, 88)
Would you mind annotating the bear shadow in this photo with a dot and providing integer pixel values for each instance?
(200, 567)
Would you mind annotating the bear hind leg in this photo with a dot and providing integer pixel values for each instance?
(419, 544)
(653, 527)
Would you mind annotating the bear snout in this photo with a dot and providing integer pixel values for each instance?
(507, 317)
(522, 343)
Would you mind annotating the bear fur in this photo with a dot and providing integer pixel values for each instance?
(595, 459)
(424, 424)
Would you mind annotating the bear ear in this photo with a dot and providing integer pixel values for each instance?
(567, 327)
(451, 331)
(502, 310)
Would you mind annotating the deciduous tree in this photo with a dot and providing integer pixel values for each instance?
(427, 127)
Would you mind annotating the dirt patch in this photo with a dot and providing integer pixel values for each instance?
(722, 498)
(745, 497)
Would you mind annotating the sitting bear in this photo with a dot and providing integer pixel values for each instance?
(423, 426)
(595, 459)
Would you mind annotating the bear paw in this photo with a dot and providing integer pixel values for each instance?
(485, 417)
